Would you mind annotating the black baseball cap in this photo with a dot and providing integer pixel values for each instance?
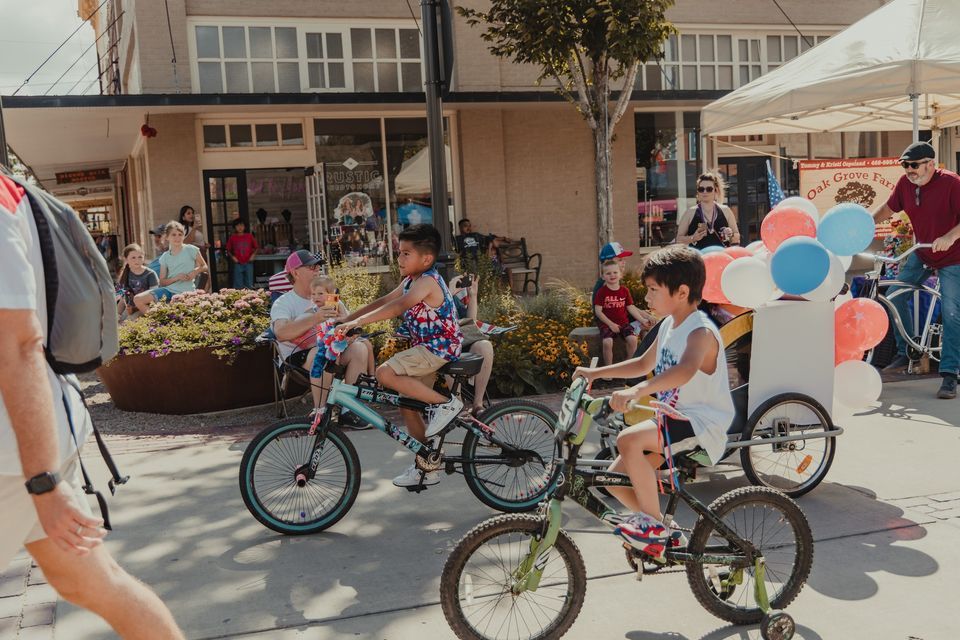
(158, 230)
(919, 151)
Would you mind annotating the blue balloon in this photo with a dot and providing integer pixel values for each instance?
(846, 229)
(799, 265)
(713, 249)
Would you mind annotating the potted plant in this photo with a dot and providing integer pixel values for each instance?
(196, 354)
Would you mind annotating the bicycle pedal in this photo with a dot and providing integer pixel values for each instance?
(417, 488)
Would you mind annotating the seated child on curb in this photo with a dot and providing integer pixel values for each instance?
(613, 306)
(323, 293)
(428, 316)
(134, 279)
(690, 373)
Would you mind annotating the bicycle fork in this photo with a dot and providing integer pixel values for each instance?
(527, 576)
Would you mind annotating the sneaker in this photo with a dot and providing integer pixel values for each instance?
(678, 539)
(645, 533)
(897, 365)
(411, 477)
(948, 388)
(440, 415)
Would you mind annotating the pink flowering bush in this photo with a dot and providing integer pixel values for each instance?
(229, 321)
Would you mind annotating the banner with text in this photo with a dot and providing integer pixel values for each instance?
(866, 181)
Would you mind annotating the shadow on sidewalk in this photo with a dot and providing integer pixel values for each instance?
(730, 632)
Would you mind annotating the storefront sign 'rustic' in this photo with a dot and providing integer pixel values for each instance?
(84, 175)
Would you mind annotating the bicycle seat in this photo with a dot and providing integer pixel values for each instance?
(468, 365)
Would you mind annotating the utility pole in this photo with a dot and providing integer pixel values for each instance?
(432, 12)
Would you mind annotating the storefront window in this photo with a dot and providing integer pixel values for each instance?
(356, 227)
(365, 213)
(657, 177)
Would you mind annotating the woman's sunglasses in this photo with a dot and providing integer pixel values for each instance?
(704, 189)
(913, 165)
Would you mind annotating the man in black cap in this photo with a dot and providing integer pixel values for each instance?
(931, 199)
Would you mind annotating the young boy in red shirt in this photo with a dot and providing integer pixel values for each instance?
(613, 306)
(242, 247)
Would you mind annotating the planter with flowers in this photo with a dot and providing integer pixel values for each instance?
(196, 354)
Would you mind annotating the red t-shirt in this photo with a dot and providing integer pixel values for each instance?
(937, 213)
(614, 303)
(241, 246)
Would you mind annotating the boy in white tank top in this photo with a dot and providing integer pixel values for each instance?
(690, 373)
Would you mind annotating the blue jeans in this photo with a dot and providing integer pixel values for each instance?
(915, 272)
(243, 276)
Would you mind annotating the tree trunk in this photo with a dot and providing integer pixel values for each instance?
(602, 153)
(602, 172)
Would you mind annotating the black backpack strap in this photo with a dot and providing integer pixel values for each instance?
(88, 487)
(48, 256)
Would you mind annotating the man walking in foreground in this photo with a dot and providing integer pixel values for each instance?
(42, 424)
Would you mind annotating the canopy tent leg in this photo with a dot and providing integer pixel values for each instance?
(915, 100)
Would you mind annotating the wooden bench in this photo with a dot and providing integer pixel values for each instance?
(516, 262)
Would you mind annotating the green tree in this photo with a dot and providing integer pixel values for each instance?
(589, 48)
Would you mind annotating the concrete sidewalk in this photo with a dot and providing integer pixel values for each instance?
(886, 522)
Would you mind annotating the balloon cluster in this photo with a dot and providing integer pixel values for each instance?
(803, 254)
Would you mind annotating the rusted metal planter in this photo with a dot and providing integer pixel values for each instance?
(191, 382)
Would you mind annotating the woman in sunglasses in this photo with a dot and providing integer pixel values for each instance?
(709, 223)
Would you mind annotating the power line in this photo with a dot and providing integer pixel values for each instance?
(60, 46)
(796, 28)
(413, 15)
(80, 57)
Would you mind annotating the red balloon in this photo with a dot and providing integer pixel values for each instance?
(859, 324)
(715, 263)
(783, 223)
(738, 252)
(842, 356)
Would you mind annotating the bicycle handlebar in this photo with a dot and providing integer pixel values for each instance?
(876, 257)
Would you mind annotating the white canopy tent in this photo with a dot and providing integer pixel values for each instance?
(897, 69)
(414, 176)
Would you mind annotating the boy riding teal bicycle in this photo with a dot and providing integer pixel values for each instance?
(429, 317)
(690, 374)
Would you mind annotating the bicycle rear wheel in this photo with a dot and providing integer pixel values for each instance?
(521, 484)
(475, 586)
(792, 467)
(268, 478)
(777, 528)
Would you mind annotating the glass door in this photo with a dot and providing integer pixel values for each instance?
(746, 195)
(225, 196)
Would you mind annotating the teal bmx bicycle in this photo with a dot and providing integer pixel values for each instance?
(302, 475)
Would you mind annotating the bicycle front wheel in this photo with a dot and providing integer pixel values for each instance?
(778, 530)
(476, 584)
(269, 483)
(792, 467)
(520, 483)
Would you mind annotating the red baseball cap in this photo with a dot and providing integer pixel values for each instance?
(613, 250)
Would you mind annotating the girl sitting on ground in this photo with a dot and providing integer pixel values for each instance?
(134, 279)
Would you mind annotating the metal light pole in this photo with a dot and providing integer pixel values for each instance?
(437, 79)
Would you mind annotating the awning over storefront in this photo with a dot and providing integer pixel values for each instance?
(861, 79)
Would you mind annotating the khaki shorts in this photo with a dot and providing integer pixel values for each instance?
(417, 362)
(21, 526)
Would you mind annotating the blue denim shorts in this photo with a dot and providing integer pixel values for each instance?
(162, 294)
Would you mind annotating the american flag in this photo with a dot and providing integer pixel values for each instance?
(773, 187)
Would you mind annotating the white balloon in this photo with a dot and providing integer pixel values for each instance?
(755, 246)
(856, 384)
(746, 282)
(763, 254)
(831, 285)
(845, 261)
(803, 204)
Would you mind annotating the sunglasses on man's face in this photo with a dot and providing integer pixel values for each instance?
(704, 189)
(913, 165)
(311, 267)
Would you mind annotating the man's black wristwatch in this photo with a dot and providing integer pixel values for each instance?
(42, 483)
